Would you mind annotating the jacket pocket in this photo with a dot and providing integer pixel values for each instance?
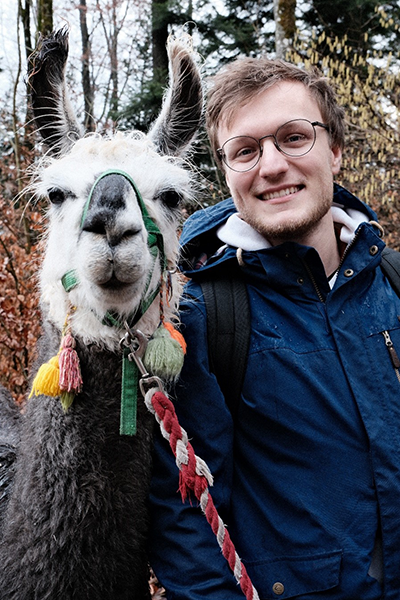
(288, 577)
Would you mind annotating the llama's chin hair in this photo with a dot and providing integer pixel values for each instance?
(99, 301)
(93, 331)
(121, 299)
(88, 303)
(85, 318)
(54, 302)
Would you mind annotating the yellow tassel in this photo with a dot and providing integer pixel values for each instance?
(47, 379)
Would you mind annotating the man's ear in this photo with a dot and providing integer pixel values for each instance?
(336, 160)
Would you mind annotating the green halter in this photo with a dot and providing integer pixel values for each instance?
(155, 244)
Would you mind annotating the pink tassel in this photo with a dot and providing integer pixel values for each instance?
(68, 360)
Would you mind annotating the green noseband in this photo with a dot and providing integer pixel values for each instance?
(154, 239)
(155, 244)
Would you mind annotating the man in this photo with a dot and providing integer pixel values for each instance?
(307, 474)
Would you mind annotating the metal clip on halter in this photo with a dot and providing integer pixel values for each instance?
(137, 342)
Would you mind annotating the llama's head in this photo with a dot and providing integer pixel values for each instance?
(114, 201)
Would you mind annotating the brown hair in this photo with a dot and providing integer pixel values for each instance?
(238, 82)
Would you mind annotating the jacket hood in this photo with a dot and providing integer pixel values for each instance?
(217, 231)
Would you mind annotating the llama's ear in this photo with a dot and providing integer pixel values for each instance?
(182, 108)
(52, 111)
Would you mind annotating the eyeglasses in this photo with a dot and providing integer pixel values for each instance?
(294, 138)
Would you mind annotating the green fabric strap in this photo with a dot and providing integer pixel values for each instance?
(113, 319)
(129, 392)
(69, 280)
(130, 372)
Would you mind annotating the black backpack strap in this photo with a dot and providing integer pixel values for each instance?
(390, 265)
(228, 330)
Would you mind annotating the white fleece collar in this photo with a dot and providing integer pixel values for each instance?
(237, 233)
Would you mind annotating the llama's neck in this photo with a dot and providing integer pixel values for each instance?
(76, 490)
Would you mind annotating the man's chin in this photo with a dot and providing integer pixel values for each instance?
(285, 227)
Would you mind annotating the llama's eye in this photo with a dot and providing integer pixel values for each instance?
(170, 198)
(56, 196)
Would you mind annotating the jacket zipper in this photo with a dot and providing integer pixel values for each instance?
(346, 251)
(392, 353)
(311, 276)
(320, 296)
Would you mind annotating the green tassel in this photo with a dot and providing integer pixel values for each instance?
(67, 399)
(164, 355)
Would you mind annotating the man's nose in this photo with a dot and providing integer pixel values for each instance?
(272, 161)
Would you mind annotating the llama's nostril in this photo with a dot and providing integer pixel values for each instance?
(116, 236)
(97, 222)
(129, 233)
(109, 224)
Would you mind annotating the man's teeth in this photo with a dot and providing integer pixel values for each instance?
(286, 192)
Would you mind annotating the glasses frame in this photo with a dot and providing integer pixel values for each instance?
(221, 155)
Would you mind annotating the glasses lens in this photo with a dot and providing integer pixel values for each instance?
(241, 153)
(296, 138)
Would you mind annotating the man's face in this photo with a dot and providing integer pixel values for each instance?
(284, 198)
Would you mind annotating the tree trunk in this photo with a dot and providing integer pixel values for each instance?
(285, 25)
(25, 15)
(45, 16)
(88, 93)
(24, 18)
(159, 36)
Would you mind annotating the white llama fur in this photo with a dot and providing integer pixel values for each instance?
(69, 248)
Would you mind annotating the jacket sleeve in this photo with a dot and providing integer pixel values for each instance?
(184, 552)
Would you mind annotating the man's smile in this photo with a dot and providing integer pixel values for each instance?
(288, 191)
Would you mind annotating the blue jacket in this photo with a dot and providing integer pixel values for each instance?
(308, 481)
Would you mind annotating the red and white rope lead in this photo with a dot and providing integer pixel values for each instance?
(195, 476)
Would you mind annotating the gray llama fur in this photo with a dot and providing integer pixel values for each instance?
(75, 473)
(9, 441)
(73, 518)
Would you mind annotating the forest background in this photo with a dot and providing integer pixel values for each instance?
(117, 72)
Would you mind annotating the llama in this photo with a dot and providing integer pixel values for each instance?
(76, 521)
(9, 441)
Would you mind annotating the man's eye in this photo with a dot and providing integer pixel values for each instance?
(295, 138)
(246, 151)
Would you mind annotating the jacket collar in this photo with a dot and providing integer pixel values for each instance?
(207, 230)
(239, 234)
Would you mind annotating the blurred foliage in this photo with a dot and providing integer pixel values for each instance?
(240, 28)
(20, 227)
(368, 87)
(358, 21)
